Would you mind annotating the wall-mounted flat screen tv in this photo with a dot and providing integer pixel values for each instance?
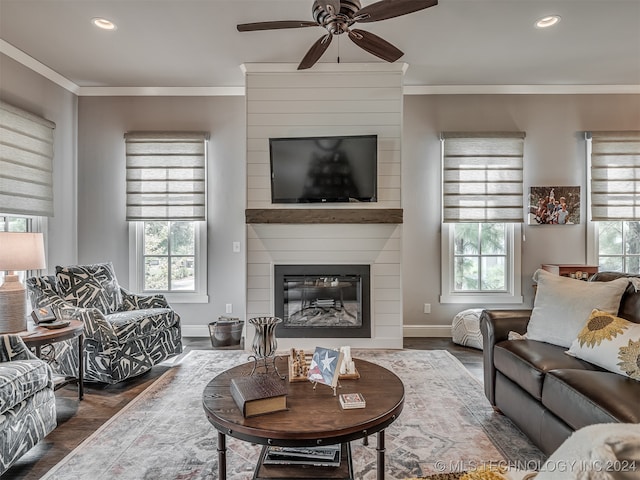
(324, 169)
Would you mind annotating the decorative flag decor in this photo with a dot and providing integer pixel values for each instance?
(325, 367)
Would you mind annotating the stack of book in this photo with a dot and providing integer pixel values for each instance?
(352, 400)
(326, 456)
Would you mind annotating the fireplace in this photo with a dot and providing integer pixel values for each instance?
(323, 301)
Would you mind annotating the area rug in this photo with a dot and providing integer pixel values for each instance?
(447, 425)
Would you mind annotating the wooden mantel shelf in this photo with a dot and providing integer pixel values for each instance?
(323, 215)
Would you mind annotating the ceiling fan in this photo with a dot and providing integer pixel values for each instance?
(337, 17)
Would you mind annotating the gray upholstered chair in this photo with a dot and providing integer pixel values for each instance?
(27, 403)
(125, 334)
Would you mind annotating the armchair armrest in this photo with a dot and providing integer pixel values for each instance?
(13, 348)
(132, 301)
(97, 328)
(495, 326)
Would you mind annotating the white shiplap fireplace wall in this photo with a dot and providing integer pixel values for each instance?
(329, 99)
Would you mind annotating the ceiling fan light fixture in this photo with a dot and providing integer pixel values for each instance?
(548, 21)
(104, 24)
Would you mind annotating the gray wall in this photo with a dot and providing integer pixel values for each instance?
(23, 88)
(102, 228)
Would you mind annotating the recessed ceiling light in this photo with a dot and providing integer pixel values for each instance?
(103, 23)
(548, 21)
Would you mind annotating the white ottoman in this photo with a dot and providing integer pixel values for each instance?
(465, 328)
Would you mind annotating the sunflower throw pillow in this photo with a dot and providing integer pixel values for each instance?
(610, 342)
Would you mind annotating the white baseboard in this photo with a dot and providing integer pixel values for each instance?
(195, 330)
(407, 331)
(426, 331)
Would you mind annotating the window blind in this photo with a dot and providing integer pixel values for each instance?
(26, 162)
(615, 176)
(482, 177)
(166, 175)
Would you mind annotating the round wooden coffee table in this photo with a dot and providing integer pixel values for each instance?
(313, 418)
(36, 336)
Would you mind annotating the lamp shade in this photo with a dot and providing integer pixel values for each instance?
(21, 251)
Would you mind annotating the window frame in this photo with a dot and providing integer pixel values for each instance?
(513, 293)
(136, 265)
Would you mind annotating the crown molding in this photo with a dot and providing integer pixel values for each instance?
(325, 67)
(520, 89)
(161, 91)
(38, 67)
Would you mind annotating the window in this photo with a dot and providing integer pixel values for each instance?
(481, 205)
(15, 224)
(169, 259)
(166, 208)
(619, 246)
(614, 183)
(481, 263)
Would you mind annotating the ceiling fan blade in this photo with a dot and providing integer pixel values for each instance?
(331, 6)
(315, 52)
(276, 25)
(385, 9)
(375, 45)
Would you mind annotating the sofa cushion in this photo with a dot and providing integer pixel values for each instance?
(20, 379)
(90, 286)
(140, 323)
(611, 342)
(525, 362)
(583, 397)
(562, 305)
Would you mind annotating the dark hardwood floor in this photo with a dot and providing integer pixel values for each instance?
(79, 419)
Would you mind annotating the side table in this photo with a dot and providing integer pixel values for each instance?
(37, 336)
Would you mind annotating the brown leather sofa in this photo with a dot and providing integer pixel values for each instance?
(547, 393)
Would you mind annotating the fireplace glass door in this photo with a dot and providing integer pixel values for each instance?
(323, 301)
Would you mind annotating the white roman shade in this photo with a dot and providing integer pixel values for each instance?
(166, 176)
(482, 177)
(615, 176)
(26, 162)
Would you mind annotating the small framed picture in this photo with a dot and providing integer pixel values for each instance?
(325, 366)
(554, 205)
(43, 315)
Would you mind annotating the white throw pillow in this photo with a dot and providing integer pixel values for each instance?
(563, 304)
(605, 451)
(610, 342)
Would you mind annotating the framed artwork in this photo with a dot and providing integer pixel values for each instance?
(556, 205)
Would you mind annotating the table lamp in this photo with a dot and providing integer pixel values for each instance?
(18, 251)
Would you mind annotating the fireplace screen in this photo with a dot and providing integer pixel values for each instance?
(323, 300)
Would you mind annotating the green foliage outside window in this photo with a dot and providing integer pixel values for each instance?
(14, 224)
(480, 253)
(619, 246)
(169, 256)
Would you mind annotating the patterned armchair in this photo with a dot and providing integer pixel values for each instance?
(125, 334)
(27, 403)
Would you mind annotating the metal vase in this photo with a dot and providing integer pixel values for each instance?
(264, 341)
